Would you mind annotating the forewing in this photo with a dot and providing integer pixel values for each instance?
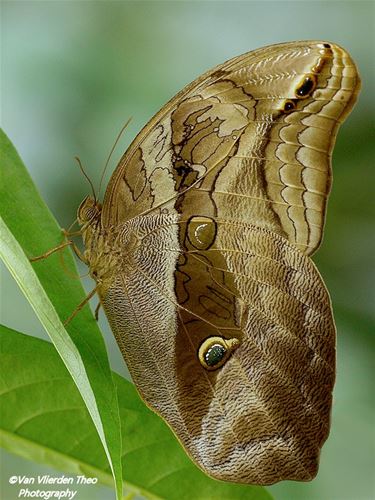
(250, 140)
(264, 415)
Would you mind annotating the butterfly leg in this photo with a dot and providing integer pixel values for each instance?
(71, 243)
(97, 309)
(76, 250)
(69, 234)
(50, 252)
(81, 305)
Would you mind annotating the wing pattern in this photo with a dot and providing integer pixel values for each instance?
(265, 414)
(210, 218)
(229, 145)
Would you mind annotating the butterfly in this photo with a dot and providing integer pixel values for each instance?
(201, 256)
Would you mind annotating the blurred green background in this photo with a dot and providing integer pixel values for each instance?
(73, 72)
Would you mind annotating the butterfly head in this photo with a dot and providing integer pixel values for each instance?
(88, 211)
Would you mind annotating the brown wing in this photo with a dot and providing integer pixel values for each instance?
(250, 140)
(262, 416)
(211, 207)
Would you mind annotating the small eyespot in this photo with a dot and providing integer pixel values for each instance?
(306, 87)
(214, 351)
(289, 106)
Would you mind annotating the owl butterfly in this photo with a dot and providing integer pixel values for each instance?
(201, 255)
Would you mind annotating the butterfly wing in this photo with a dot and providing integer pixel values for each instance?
(263, 416)
(216, 206)
(251, 139)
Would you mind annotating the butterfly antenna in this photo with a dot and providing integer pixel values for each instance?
(87, 177)
(111, 152)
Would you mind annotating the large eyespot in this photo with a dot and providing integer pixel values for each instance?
(306, 87)
(201, 232)
(214, 351)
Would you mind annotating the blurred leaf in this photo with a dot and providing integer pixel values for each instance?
(29, 227)
(44, 419)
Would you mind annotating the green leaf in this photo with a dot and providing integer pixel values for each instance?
(44, 419)
(29, 227)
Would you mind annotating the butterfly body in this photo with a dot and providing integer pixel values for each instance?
(201, 255)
